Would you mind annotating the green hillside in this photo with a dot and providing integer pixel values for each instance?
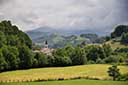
(119, 37)
(56, 40)
(116, 45)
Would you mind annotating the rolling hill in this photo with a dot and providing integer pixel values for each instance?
(56, 40)
(60, 38)
(116, 43)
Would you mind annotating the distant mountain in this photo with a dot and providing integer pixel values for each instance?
(44, 31)
(57, 41)
(59, 38)
(62, 31)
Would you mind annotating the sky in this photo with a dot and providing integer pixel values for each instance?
(97, 15)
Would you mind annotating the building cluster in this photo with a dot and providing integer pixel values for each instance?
(46, 50)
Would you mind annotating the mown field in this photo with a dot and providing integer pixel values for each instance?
(71, 82)
(94, 71)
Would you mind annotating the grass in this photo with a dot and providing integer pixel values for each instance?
(116, 45)
(94, 71)
(71, 82)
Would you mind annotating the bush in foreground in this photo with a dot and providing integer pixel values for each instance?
(114, 72)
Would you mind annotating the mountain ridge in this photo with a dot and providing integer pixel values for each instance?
(59, 38)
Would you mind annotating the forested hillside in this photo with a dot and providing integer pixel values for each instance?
(15, 46)
(11, 35)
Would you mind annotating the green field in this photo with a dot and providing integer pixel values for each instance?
(71, 82)
(59, 73)
(116, 45)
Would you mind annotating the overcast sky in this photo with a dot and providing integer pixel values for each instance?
(97, 15)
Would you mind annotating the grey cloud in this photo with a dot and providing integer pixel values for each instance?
(3, 2)
(97, 15)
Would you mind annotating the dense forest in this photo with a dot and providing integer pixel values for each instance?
(15, 47)
(16, 51)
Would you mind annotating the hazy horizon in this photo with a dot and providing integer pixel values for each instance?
(98, 15)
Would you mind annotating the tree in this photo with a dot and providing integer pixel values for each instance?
(25, 39)
(3, 63)
(79, 56)
(124, 38)
(42, 59)
(69, 50)
(51, 60)
(26, 57)
(13, 62)
(107, 38)
(35, 63)
(119, 30)
(95, 52)
(10, 54)
(112, 59)
(12, 40)
(61, 58)
(107, 49)
(2, 39)
(62, 61)
(99, 61)
(113, 72)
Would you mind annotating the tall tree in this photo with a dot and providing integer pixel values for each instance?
(3, 63)
(26, 57)
(79, 56)
(2, 39)
(107, 49)
(42, 59)
(94, 52)
(11, 56)
(61, 58)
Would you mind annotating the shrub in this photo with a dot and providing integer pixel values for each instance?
(100, 61)
(91, 62)
(123, 77)
(124, 38)
(113, 72)
(111, 59)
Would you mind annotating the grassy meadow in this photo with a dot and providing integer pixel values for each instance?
(94, 71)
(116, 45)
(71, 82)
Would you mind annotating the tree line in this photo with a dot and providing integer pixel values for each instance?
(16, 52)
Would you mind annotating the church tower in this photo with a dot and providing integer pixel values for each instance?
(46, 44)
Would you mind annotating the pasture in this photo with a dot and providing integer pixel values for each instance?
(71, 82)
(94, 71)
